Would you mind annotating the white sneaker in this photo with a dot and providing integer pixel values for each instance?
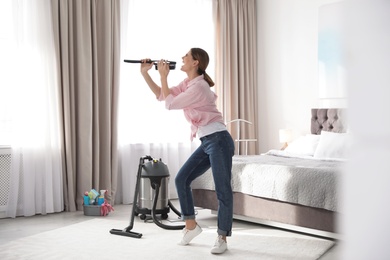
(220, 246)
(188, 235)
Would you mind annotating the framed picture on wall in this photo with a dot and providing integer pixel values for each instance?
(331, 65)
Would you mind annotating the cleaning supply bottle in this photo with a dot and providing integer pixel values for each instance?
(101, 197)
(93, 196)
(86, 198)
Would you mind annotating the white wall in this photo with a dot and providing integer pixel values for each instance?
(288, 76)
(366, 183)
(288, 85)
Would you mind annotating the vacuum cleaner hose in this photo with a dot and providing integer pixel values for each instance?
(173, 208)
(155, 220)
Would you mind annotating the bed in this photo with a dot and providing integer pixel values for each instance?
(295, 188)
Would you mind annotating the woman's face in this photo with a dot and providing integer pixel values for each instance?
(188, 62)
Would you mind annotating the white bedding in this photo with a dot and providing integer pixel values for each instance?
(280, 176)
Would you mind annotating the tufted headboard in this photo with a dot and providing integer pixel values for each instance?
(328, 119)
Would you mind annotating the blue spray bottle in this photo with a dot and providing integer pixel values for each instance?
(101, 197)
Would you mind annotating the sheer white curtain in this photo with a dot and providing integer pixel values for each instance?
(36, 169)
(158, 30)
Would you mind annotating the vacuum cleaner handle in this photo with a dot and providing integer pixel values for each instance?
(148, 61)
(142, 161)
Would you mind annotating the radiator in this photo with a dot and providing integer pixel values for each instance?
(5, 169)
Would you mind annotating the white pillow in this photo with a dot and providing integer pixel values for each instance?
(303, 145)
(333, 145)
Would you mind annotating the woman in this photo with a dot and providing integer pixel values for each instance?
(194, 96)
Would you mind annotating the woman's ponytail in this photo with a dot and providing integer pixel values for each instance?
(208, 79)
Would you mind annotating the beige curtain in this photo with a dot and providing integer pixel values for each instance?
(236, 66)
(87, 47)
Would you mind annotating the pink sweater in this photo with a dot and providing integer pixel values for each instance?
(197, 101)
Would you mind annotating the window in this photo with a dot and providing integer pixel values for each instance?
(5, 82)
(28, 81)
(158, 32)
(161, 32)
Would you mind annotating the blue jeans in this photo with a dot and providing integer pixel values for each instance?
(216, 151)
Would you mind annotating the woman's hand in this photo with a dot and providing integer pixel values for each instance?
(145, 67)
(163, 68)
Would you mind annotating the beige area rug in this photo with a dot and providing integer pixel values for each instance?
(91, 240)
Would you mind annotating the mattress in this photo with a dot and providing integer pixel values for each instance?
(299, 180)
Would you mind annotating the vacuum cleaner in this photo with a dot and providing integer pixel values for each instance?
(151, 176)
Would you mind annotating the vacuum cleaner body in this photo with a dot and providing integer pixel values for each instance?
(153, 172)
